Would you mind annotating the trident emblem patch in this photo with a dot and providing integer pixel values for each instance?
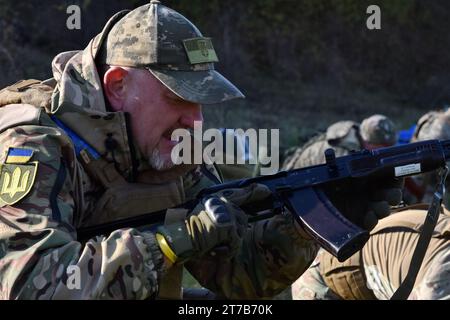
(16, 181)
(202, 45)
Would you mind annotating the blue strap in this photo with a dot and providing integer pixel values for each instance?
(405, 136)
(78, 143)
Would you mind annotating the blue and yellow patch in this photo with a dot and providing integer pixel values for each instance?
(17, 175)
(19, 155)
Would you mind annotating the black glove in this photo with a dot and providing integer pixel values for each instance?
(215, 222)
(364, 202)
(212, 223)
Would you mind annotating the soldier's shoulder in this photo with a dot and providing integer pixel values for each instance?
(340, 129)
(311, 155)
(315, 148)
(306, 154)
(30, 127)
(433, 125)
(315, 142)
(31, 91)
(25, 103)
(30, 153)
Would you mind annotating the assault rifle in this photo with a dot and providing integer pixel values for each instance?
(306, 192)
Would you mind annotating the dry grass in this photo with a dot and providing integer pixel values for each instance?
(301, 111)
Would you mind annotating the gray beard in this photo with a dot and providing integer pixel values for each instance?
(156, 162)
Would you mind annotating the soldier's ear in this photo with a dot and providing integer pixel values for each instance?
(114, 87)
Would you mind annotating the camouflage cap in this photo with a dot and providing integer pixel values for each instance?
(378, 129)
(167, 44)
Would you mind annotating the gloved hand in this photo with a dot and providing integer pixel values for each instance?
(216, 222)
(365, 202)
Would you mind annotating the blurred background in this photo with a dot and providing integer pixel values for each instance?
(302, 64)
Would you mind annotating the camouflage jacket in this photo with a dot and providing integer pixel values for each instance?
(432, 125)
(46, 194)
(341, 136)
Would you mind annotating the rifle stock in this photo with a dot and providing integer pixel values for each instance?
(301, 191)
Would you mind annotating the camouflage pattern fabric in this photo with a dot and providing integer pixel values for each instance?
(39, 251)
(432, 125)
(385, 262)
(311, 285)
(38, 240)
(172, 49)
(37, 94)
(272, 257)
(233, 170)
(341, 136)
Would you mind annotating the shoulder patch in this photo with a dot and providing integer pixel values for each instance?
(16, 181)
(18, 155)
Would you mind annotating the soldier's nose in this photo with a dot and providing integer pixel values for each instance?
(192, 114)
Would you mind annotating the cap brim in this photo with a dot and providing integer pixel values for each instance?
(203, 87)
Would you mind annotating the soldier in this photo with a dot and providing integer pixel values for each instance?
(432, 125)
(344, 136)
(377, 271)
(93, 145)
(381, 266)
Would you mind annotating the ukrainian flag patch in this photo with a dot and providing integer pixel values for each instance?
(19, 155)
